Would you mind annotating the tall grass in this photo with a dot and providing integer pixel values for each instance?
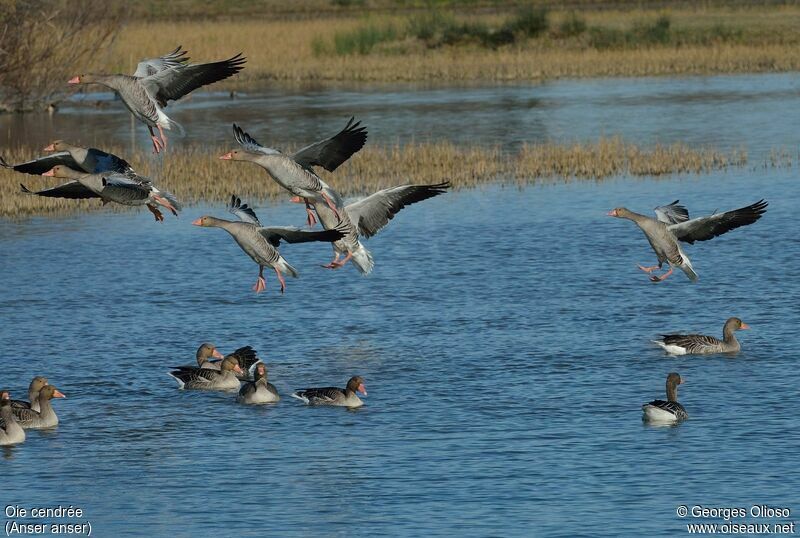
(195, 174)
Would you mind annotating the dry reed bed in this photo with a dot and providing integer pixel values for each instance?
(282, 50)
(195, 174)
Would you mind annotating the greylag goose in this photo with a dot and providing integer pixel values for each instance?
(295, 172)
(204, 355)
(159, 80)
(367, 216)
(207, 379)
(90, 160)
(11, 433)
(669, 410)
(114, 187)
(260, 243)
(259, 390)
(246, 357)
(698, 344)
(37, 384)
(46, 416)
(673, 226)
(346, 397)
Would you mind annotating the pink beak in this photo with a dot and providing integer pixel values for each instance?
(237, 369)
(744, 326)
(197, 222)
(362, 390)
(58, 394)
(227, 157)
(51, 147)
(50, 173)
(216, 354)
(612, 213)
(74, 80)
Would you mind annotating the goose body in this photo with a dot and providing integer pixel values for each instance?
(206, 379)
(698, 344)
(37, 384)
(260, 390)
(11, 433)
(346, 397)
(668, 410)
(46, 416)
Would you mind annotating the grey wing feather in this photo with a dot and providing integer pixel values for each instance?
(374, 212)
(295, 235)
(333, 151)
(120, 187)
(72, 190)
(691, 342)
(672, 407)
(673, 213)
(248, 142)
(705, 228)
(173, 83)
(155, 65)
(242, 211)
(40, 165)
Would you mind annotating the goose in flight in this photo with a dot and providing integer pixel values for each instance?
(673, 226)
(669, 410)
(157, 81)
(261, 243)
(122, 189)
(368, 216)
(698, 344)
(295, 172)
(90, 160)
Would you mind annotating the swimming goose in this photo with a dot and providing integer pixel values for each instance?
(46, 416)
(367, 216)
(204, 355)
(260, 243)
(11, 433)
(90, 160)
(245, 357)
(207, 379)
(346, 397)
(259, 390)
(159, 80)
(122, 189)
(697, 344)
(670, 410)
(295, 172)
(37, 383)
(673, 225)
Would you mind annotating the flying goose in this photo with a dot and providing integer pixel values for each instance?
(11, 433)
(260, 243)
(122, 189)
(697, 344)
(295, 172)
(90, 160)
(46, 416)
(367, 216)
(670, 410)
(346, 397)
(259, 390)
(159, 80)
(207, 379)
(673, 226)
(37, 383)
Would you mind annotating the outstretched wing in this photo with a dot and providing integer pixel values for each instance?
(39, 166)
(673, 213)
(249, 143)
(374, 212)
(333, 151)
(155, 65)
(175, 82)
(242, 211)
(122, 189)
(295, 235)
(705, 228)
(71, 189)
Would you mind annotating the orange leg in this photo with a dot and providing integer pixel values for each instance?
(331, 205)
(156, 213)
(166, 203)
(163, 137)
(336, 264)
(261, 284)
(312, 220)
(656, 278)
(280, 278)
(649, 269)
(156, 141)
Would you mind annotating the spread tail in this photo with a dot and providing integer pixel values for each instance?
(362, 259)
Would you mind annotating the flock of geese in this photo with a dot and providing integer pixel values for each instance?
(93, 173)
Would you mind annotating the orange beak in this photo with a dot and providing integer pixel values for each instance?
(744, 326)
(58, 394)
(199, 222)
(612, 213)
(216, 354)
(227, 157)
(74, 80)
(51, 147)
(362, 390)
(237, 369)
(50, 173)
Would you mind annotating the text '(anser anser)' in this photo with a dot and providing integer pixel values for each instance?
(699, 344)
(673, 226)
(157, 81)
(261, 243)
